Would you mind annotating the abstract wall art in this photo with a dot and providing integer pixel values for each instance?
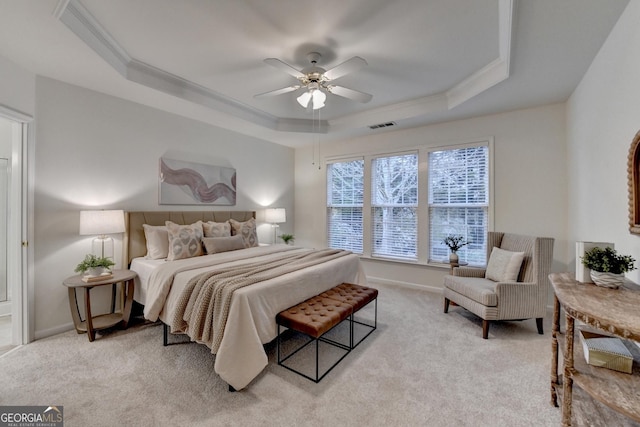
(188, 183)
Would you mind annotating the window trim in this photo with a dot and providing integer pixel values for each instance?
(423, 204)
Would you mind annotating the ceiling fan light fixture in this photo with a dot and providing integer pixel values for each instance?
(314, 96)
(304, 99)
(318, 97)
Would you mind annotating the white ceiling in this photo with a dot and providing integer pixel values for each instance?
(428, 60)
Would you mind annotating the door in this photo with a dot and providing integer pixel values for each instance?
(13, 220)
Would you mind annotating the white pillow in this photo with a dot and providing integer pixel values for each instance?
(214, 245)
(504, 266)
(185, 241)
(216, 229)
(157, 239)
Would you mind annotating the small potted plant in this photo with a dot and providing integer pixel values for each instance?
(607, 266)
(454, 243)
(94, 266)
(286, 238)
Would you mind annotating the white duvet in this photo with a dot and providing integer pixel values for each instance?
(251, 321)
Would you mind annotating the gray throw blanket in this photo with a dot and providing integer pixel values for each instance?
(203, 306)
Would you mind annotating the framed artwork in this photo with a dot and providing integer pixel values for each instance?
(633, 184)
(188, 183)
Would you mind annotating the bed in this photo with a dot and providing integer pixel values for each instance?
(237, 330)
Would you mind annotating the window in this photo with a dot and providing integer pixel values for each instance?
(459, 201)
(400, 206)
(394, 206)
(345, 189)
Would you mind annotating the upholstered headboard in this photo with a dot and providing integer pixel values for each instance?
(134, 241)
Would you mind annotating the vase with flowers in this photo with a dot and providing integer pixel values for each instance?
(454, 243)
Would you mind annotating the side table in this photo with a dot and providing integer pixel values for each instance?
(93, 323)
(456, 264)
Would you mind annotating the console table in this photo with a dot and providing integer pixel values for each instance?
(614, 312)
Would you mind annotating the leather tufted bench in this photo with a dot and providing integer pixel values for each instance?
(318, 315)
(314, 316)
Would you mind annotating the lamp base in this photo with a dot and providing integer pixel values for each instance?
(102, 246)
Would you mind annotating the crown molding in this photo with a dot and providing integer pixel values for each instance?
(158, 79)
(494, 72)
(394, 112)
(80, 21)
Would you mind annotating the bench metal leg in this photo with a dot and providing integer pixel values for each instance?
(318, 377)
(371, 327)
(165, 334)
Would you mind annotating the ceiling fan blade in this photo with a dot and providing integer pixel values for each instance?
(350, 93)
(278, 91)
(275, 62)
(348, 66)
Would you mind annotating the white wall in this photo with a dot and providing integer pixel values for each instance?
(603, 115)
(98, 151)
(17, 87)
(530, 181)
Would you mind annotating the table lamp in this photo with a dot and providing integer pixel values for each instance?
(102, 223)
(275, 216)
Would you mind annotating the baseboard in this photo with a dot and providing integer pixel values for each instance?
(427, 288)
(54, 331)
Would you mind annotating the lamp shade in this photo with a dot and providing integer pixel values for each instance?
(275, 215)
(101, 222)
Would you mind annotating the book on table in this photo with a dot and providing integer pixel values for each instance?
(90, 279)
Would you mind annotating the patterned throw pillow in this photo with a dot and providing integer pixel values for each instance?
(216, 229)
(185, 241)
(247, 230)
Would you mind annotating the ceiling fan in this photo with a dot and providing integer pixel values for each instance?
(315, 80)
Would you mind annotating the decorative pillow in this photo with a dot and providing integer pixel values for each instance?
(247, 230)
(157, 239)
(216, 229)
(504, 266)
(214, 245)
(185, 241)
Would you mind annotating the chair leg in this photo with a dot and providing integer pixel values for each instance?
(485, 329)
(446, 305)
(539, 325)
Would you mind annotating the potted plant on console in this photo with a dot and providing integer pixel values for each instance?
(454, 243)
(607, 266)
(95, 266)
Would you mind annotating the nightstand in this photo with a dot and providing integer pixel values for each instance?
(103, 321)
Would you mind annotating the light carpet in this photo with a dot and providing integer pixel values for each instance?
(421, 367)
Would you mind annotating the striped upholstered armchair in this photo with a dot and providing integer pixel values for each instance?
(514, 285)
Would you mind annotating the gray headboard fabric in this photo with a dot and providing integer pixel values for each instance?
(134, 242)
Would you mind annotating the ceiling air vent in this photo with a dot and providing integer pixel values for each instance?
(382, 125)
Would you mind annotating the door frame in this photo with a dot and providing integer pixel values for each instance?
(20, 221)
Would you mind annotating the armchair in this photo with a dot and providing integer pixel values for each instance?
(519, 299)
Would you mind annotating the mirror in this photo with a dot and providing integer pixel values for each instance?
(633, 182)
